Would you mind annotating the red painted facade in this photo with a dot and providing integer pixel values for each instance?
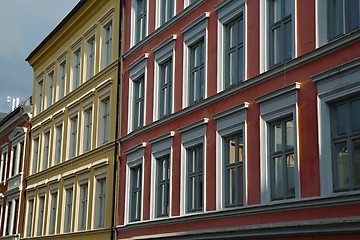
(268, 218)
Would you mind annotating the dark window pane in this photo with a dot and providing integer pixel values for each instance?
(355, 115)
(342, 166)
(288, 40)
(340, 114)
(290, 175)
(354, 14)
(278, 178)
(356, 159)
(276, 46)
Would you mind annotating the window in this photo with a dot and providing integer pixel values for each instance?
(50, 88)
(30, 213)
(281, 31)
(138, 107)
(15, 217)
(165, 91)
(68, 209)
(90, 57)
(73, 136)
(279, 160)
(343, 17)
(195, 179)
(46, 150)
(234, 170)
(83, 206)
(105, 104)
(107, 58)
(62, 79)
(41, 215)
(197, 72)
(163, 186)
(76, 69)
(53, 211)
(101, 195)
(14, 160)
(36, 155)
(58, 143)
(39, 96)
(195, 55)
(282, 159)
(166, 10)
(136, 194)
(88, 129)
(8, 218)
(140, 7)
(345, 141)
(189, 2)
(21, 156)
(4, 157)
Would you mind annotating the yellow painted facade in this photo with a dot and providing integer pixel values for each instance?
(70, 173)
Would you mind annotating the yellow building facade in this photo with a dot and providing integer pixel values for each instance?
(70, 174)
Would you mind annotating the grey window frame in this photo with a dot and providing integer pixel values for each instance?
(166, 10)
(238, 49)
(197, 66)
(163, 186)
(91, 58)
(140, 20)
(349, 137)
(30, 218)
(53, 211)
(344, 18)
(88, 129)
(280, 25)
(283, 153)
(41, 215)
(195, 202)
(84, 192)
(138, 102)
(68, 209)
(136, 193)
(101, 184)
(165, 88)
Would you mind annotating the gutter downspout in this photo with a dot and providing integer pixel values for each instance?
(118, 122)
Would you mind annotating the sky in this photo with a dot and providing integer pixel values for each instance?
(23, 25)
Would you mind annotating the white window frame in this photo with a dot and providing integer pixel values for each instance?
(31, 197)
(104, 94)
(17, 137)
(265, 34)
(83, 179)
(50, 83)
(100, 175)
(90, 37)
(133, 22)
(41, 194)
(227, 12)
(274, 106)
(137, 69)
(54, 189)
(161, 147)
(39, 101)
(87, 103)
(76, 48)
(36, 137)
(192, 136)
(58, 121)
(229, 123)
(334, 84)
(4, 152)
(193, 33)
(106, 21)
(74, 111)
(46, 131)
(68, 184)
(164, 52)
(135, 158)
(61, 76)
(159, 12)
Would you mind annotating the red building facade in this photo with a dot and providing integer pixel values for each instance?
(240, 119)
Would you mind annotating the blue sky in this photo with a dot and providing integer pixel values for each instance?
(23, 25)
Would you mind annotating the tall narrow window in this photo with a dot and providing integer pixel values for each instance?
(282, 172)
(91, 58)
(36, 155)
(136, 194)
(16, 217)
(234, 60)
(281, 31)
(3, 165)
(58, 144)
(166, 79)
(39, 96)
(343, 17)
(53, 211)
(197, 72)
(46, 150)
(41, 216)
(105, 119)
(345, 138)
(14, 160)
(83, 206)
(101, 191)
(140, 20)
(234, 171)
(163, 187)
(21, 157)
(62, 80)
(138, 109)
(8, 218)
(76, 69)
(166, 10)
(108, 45)
(73, 135)
(87, 129)
(30, 218)
(195, 196)
(68, 210)
(51, 89)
